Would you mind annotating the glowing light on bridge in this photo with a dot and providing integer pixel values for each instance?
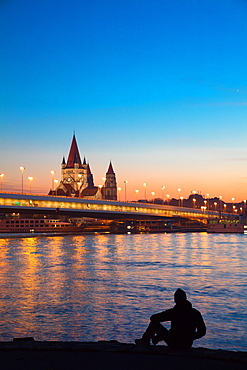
(181, 201)
(1, 180)
(119, 190)
(22, 171)
(145, 190)
(194, 202)
(52, 180)
(137, 192)
(125, 189)
(56, 182)
(30, 178)
(163, 193)
(179, 191)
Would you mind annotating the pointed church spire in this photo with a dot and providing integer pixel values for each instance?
(84, 161)
(74, 155)
(88, 170)
(110, 169)
(89, 177)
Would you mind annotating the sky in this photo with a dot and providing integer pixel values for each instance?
(157, 87)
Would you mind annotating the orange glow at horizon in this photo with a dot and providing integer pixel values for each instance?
(214, 189)
(160, 178)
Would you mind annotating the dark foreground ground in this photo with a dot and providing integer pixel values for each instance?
(113, 355)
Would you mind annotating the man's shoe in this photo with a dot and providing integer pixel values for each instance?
(142, 341)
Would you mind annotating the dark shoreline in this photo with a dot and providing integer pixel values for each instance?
(30, 354)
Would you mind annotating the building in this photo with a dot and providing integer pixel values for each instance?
(77, 179)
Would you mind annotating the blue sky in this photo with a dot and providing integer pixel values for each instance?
(158, 87)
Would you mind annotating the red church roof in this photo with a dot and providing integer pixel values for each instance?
(89, 192)
(74, 155)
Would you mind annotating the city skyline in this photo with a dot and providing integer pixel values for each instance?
(158, 88)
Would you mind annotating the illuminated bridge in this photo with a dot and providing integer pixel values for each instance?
(104, 209)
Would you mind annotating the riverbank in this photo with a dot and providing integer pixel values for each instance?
(29, 354)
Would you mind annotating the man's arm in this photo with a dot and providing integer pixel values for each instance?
(162, 316)
(200, 325)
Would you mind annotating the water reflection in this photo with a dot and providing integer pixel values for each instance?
(96, 287)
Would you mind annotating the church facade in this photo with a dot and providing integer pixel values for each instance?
(77, 179)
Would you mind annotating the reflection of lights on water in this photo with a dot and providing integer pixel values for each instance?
(92, 272)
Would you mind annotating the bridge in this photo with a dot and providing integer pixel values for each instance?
(103, 209)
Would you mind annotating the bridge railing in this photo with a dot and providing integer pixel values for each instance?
(17, 201)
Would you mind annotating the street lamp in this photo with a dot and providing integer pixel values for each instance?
(181, 201)
(125, 191)
(22, 170)
(233, 204)
(1, 177)
(145, 188)
(194, 201)
(30, 178)
(220, 204)
(153, 194)
(168, 195)
(119, 189)
(207, 195)
(100, 187)
(56, 182)
(103, 190)
(179, 190)
(215, 205)
(137, 191)
(224, 205)
(52, 180)
(205, 204)
(163, 190)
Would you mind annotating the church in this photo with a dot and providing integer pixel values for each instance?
(77, 179)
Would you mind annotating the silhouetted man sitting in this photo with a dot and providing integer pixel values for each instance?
(186, 325)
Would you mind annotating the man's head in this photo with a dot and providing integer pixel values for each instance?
(179, 296)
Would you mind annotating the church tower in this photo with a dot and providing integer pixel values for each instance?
(75, 175)
(110, 186)
(77, 179)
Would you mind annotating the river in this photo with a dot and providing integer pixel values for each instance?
(104, 287)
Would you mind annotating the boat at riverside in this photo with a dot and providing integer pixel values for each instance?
(37, 226)
(227, 226)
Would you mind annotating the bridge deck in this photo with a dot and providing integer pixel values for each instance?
(77, 207)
